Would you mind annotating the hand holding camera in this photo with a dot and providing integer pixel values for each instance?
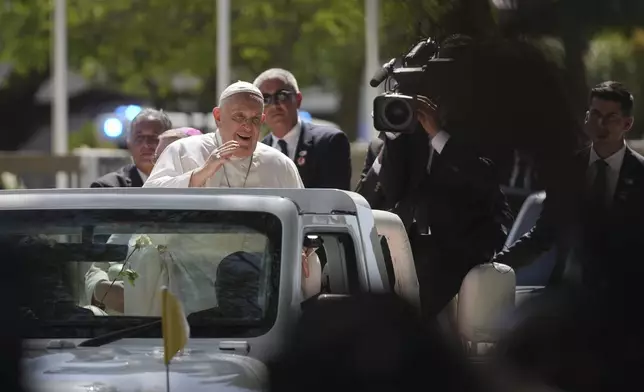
(427, 113)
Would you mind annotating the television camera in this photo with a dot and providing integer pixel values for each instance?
(425, 70)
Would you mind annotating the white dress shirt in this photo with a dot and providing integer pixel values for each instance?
(291, 139)
(269, 167)
(612, 174)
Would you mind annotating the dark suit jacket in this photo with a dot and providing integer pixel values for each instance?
(462, 186)
(125, 177)
(322, 157)
(620, 232)
(369, 185)
(459, 202)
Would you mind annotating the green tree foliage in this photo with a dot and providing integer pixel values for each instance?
(137, 46)
(87, 136)
(616, 56)
(575, 22)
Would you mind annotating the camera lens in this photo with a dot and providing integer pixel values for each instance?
(397, 112)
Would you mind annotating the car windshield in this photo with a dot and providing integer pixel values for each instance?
(94, 271)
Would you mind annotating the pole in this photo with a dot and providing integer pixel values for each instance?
(167, 377)
(372, 63)
(59, 142)
(223, 45)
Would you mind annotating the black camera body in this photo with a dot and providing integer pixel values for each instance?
(422, 71)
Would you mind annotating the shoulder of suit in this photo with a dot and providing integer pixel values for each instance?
(637, 157)
(112, 178)
(322, 130)
(635, 154)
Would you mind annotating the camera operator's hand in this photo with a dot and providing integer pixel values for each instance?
(427, 113)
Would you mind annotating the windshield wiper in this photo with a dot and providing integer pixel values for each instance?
(119, 334)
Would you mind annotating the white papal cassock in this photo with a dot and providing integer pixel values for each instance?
(189, 262)
(269, 168)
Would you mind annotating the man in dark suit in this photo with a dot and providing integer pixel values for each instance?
(610, 186)
(450, 201)
(322, 154)
(142, 141)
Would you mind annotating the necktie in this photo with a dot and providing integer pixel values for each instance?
(281, 143)
(599, 186)
(430, 161)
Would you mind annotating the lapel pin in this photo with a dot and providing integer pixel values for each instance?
(302, 153)
(301, 161)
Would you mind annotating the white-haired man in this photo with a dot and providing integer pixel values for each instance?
(231, 156)
(142, 140)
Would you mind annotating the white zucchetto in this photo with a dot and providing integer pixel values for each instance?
(240, 87)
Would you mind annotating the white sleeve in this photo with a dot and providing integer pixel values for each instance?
(100, 271)
(439, 141)
(171, 170)
(291, 177)
(96, 273)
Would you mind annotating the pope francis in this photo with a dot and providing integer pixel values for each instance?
(230, 157)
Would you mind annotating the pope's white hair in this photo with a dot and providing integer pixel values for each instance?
(277, 74)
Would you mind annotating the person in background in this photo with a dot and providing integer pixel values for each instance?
(322, 154)
(172, 135)
(142, 141)
(609, 177)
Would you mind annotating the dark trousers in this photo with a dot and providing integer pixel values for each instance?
(440, 273)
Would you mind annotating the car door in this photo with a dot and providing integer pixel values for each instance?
(390, 226)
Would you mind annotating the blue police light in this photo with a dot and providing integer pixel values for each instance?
(120, 111)
(306, 116)
(113, 127)
(131, 111)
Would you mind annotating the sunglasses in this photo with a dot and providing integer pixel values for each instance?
(280, 96)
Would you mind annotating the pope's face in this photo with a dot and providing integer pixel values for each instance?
(240, 119)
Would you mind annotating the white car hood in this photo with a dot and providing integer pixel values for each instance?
(139, 369)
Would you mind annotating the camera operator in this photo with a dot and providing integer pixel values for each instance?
(449, 200)
(432, 171)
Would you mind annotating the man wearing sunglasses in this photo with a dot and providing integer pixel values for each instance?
(321, 153)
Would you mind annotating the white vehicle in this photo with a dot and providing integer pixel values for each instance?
(72, 345)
